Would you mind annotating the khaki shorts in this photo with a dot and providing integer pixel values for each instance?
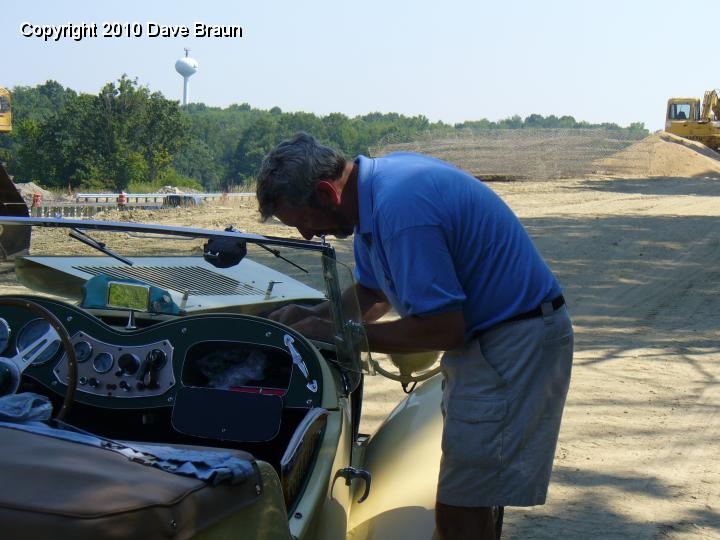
(503, 399)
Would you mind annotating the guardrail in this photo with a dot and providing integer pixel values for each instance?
(150, 197)
(86, 210)
(86, 205)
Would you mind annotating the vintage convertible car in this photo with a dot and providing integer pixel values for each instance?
(150, 396)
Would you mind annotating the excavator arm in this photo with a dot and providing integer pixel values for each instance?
(710, 107)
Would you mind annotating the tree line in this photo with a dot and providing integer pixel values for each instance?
(129, 138)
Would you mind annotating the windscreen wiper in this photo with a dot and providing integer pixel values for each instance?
(277, 254)
(100, 246)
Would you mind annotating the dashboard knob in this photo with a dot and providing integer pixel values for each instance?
(157, 359)
(125, 386)
(92, 381)
(128, 364)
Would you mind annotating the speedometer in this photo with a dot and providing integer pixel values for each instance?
(39, 340)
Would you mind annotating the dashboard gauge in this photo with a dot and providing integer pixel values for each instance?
(83, 351)
(103, 362)
(128, 364)
(4, 334)
(37, 338)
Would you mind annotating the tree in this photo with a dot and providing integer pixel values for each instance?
(160, 131)
(196, 160)
(257, 141)
(124, 134)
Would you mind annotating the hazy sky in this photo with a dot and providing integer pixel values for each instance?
(450, 60)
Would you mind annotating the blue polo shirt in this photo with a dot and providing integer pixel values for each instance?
(434, 239)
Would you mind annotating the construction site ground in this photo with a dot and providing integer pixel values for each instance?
(636, 247)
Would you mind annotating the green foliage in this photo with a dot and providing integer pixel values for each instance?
(39, 102)
(168, 178)
(93, 185)
(124, 134)
(196, 160)
(636, 130)
(127, 137)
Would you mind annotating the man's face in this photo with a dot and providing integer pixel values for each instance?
(315, 221)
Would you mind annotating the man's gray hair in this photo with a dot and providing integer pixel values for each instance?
(290, 171)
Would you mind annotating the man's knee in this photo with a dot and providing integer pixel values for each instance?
(461, 523)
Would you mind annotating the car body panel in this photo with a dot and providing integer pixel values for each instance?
(403, 457)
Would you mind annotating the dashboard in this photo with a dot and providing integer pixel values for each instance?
(204, 354)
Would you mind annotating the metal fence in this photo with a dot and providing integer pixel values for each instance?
(146, 198)
(86, 205)
(86, 211)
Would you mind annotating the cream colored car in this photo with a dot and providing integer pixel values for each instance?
(180, 410)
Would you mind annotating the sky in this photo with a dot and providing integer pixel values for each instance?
(449, 60)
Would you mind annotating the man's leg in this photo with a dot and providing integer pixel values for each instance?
(464, 523)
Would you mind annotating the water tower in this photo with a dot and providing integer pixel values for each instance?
(186, 67)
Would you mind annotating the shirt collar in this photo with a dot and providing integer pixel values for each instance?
(366, 167)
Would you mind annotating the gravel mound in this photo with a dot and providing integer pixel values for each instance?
(661, 154)
(27, 190)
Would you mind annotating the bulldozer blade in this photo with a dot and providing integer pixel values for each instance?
(14, 239)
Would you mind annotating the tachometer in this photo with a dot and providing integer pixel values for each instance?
(39, 340)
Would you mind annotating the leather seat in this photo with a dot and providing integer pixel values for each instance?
(60, 489)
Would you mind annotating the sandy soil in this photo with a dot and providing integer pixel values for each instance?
(640, 263)
(639, 259)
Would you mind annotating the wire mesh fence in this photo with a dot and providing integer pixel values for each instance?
(516, 154)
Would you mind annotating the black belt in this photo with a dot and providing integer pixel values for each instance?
(557, 303)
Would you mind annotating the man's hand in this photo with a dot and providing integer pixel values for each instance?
(314, 327)
(291, 314)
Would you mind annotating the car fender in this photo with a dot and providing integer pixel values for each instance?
(403, 457)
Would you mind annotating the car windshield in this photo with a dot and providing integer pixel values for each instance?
(138, 268)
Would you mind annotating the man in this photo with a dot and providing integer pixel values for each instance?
(452, 259)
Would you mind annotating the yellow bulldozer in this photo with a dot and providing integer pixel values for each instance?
(687, 118)
(5, 111)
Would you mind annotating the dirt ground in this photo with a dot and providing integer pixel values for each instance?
(639, 260)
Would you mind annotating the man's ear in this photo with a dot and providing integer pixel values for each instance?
(328, 189)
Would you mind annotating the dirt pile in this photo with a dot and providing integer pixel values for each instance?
(661, 154)
(518, 154)
(27, 190)
(542, 154)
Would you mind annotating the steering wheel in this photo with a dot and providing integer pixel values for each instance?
(15, 366)
(411, 368)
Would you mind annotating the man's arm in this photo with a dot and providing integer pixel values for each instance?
(440, 332)
(373, 305)
(372, 302)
